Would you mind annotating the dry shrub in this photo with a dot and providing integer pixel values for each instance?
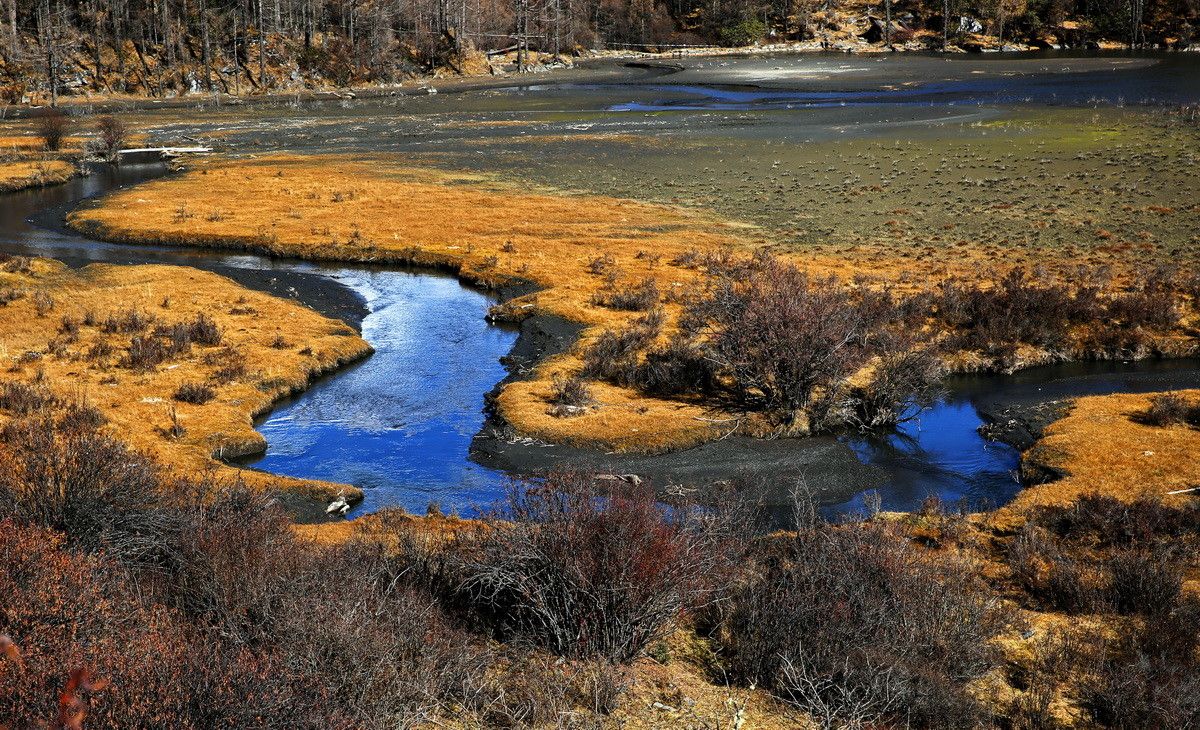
(902, 384)
(58, 471)
(570, 396)
(145, 352)
(630, 297)
(43, 303)
(1144, 581)
(229, 364)
(860, 628)
(127, 322)
(52, 126)
(67, 611)
(766, 337)
(678, 367)
(199, 606)
(1056, 579)
(1102, 554)
(22, 398)
(1169, 409)
(9, 294)
(1146, 675)
(774, 335)
(615, 354)
(1030, 308)
(112, 135)
(204, 331)
(1016, 308)
(194, 393)
(585, 572)
(16, 264)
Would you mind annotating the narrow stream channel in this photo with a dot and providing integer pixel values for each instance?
(400, 424)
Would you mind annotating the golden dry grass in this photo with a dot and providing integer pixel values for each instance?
(138, 404)
(34, 173)
(338, 209)
(1104, 446)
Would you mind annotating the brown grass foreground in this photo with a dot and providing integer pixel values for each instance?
(269, 348)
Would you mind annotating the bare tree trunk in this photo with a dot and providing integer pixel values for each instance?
(14, 38)
(262, 49)
(118, 42)
(887, 26)
(50, 47)
(207, 56)
(945, 24)
(237, 64)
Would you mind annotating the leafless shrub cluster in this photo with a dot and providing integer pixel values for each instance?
(588, 572)
(1169, 409)
(1024, 307)
(615, 354)
(858, 627)
(768, 337)
(570, 396)
(126, 322)
(16, 264)
(9, 294)
(200, 592)
(194, 393)
(1104, 555)
(630, 296)
(146, 352)
(60, 472)
(52, 126)
(228, 362)
(111, 136)
(23, 398)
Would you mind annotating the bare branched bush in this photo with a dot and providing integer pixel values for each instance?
(1169, 409)
(774, 335)
(127, 322)
(22, 398)
(1102, 554)
(631, 297)
(1146, 676)
(52, 126)
(59, 471)
(591, 573)
(570, 395)
(43, 303)
(204, 331)
(1054, 578)
(145, 352)
(111, 137)
(1144, 581)
(194, 393)
(615, 354)
(857, 627)
(902, 384)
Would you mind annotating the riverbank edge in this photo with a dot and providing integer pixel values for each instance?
(658, 62)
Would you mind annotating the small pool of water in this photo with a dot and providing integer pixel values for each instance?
(941, 453)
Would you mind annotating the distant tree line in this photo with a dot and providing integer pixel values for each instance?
(160, 46)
